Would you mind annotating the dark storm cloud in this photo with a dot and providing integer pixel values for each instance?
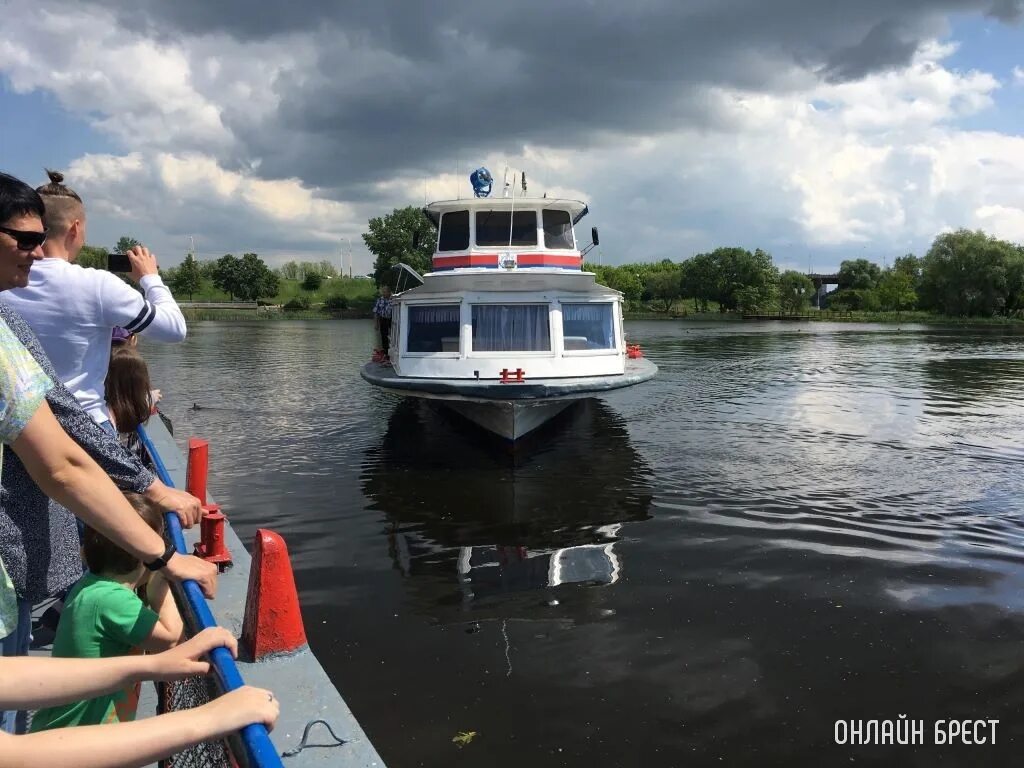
(885, 45)
(1007, 10)
(402, 87)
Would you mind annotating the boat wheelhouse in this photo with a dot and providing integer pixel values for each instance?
(507, 329)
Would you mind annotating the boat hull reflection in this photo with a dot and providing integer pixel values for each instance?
(475, 526)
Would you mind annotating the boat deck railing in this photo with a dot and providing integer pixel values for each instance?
(251, 747)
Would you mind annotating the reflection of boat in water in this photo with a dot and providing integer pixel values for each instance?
(479, 530)
(507, 330)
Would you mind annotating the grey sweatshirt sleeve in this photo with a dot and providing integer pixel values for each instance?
(124, 469)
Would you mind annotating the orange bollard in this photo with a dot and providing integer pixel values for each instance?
(273, 621)
(211, 546)
(198, 468)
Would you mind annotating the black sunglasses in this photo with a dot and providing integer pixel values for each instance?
(26, 240)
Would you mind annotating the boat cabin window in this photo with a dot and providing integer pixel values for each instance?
(492, 227)
(454, 234)
(433, 328)
(557, 229)
(588, 326)
(511, 328)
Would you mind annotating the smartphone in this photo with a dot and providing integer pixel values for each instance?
(118, 262)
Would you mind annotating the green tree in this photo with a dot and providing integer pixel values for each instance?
(312, 281)
(327, 269)
(255, 279)
(896, 290)
(124, 243)
(663, 287)
(795, 291)
(227, 274)
(859, 274)
(625, 280)
(207, 269)
(91, 256)
(745, 281)
(699, 280)
(289, 270)
(968, 273)
(390, 239)
(1015, 282)
(187, 279)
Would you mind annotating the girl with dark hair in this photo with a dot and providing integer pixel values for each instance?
(128, 395)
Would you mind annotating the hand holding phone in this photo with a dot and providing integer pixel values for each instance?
(118, 262)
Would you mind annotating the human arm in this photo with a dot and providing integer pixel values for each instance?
(142, 742)
(155, 314)
(67, 475)
(167, 631)
(122, 466)
(33, 682)
(183, 503)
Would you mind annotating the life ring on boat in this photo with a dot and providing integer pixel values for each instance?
(633, 351)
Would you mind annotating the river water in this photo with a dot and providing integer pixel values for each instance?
(791, 525)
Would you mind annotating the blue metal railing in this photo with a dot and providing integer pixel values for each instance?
(258, 746)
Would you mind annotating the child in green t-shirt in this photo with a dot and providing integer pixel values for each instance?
(103, 616)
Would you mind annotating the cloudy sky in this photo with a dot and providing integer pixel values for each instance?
(816, 130)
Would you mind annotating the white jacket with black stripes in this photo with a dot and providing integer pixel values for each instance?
(73, 311)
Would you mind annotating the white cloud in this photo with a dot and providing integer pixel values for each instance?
(163, 198)
(1018, 75)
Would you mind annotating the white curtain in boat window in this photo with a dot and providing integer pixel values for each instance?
(433, 328)
(511, 328)
(588, 326)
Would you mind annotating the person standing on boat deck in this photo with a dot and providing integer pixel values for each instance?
(73, 310)
(38, 538)
(382, 318)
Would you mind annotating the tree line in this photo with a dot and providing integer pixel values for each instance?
(964, 274)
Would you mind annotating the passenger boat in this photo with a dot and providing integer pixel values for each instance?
(507, 329)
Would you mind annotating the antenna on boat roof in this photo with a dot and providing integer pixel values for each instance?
(523, 179)
(458, 173)
(504, 182)
(512, 212)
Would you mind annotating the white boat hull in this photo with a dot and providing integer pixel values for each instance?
(509, 410)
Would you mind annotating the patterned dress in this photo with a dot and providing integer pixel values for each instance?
(38, 537)
(23, 388)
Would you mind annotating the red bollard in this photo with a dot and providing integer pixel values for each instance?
(273, 621)
(198, 468)
(211, 546)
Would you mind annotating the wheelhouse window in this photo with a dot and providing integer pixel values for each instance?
(492, 227)
(433, 328)
(557, 229)
(511, 328)
(587, 327)
(454, 234)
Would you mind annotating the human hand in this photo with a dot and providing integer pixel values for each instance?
(185, 660)
(182, 567)
(155, 396)
(243, 706)
(143, 262)
(183, 503)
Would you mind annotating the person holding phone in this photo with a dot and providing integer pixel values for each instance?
(74, 310)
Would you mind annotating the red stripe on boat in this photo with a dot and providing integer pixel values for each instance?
(547, 260)
(523, 260)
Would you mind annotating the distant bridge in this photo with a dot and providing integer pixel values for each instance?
(820, 280)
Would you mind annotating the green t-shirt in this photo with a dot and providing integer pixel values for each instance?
(101, 618)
